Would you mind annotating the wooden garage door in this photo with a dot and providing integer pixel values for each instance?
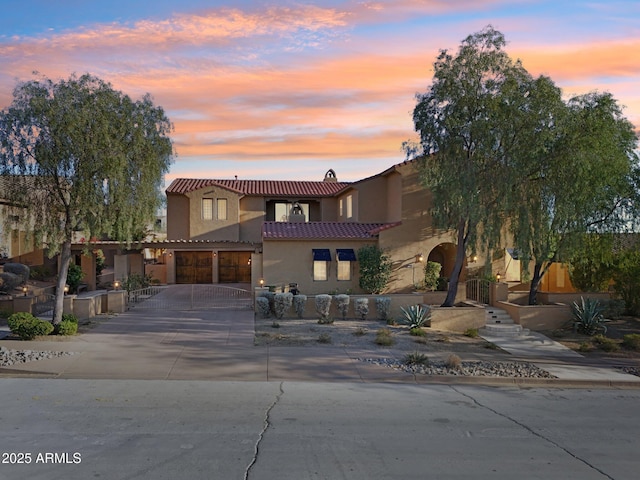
(194, 267)
(234, 267)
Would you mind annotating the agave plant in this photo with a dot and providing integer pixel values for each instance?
(416, 316)
(588, 317)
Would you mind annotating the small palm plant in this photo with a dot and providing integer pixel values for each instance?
(588, 316)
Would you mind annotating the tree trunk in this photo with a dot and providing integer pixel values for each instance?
(461, 249)
(63, 268)
(535, 283)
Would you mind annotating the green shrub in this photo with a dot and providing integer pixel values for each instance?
(471, 333)
(342, 303)
(384, 338)
(416, 316)
(69, 317)
(416, 358)
(606, 344)
(627, 280)
(9, 282)
(74, 277)
(324, 338)
(417, 332)
(299, 302)
(375, 269)
(631, 341)
(585, 347)
(66, 327)
(362, 307)
(323, 308)
(383, 307)
(587, 316)
(262, 305)
(282, 303)
(27, 327)
(454, 362)
(359, 332)
(431, 275)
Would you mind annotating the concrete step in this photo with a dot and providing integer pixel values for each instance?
(505, 330)
(497, 316)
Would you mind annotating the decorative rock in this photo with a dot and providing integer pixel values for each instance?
(12, 357)
(475, 369)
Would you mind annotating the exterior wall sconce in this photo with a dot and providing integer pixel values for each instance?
(25, 289)
(116, 285)
(498, 276)
(66, 289)
(473, 258)
(261, 282)
(419, 258)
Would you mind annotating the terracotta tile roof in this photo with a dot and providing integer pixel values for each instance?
(328, 230)
(275, 188)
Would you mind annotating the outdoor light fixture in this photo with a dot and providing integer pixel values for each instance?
(419, 258)
(498, 276)
(66, 289)
(262, 282)
(24, 290)
(116, 285)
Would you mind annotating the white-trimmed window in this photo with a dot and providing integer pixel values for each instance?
(222, 208)
(207, 208)
(349, 206)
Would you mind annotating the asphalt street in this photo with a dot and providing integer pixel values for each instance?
(156, 429)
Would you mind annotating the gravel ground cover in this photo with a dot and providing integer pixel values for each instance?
(437, 346)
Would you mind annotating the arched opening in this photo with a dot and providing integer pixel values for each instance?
(445, 255)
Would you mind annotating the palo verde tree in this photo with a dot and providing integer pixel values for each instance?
(480, 112)
(81, 156)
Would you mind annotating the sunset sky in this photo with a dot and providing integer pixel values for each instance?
(288, 90)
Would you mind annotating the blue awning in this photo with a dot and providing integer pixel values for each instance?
(321, 254)
(345, 254)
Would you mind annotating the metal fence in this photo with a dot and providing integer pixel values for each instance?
(478, 290)
(191, 297)
(44, 303)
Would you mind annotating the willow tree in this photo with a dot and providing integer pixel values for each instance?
(481, 112)
(583, 182)
(81, 156)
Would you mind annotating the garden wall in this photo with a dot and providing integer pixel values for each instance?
(457, 319)
(538, 317)
(397, 301)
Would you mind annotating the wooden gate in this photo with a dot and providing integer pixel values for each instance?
(194, 267)
(234, 267)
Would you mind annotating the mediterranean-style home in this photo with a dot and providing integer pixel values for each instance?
(278, 232)
(303, 232)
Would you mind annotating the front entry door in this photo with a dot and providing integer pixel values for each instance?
(234, 267)
(194, 267)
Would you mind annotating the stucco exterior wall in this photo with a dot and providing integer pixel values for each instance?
(288, 261)
(252, 211)
(177, 217)
(201, 229)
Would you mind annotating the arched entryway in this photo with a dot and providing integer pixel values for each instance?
(445, 255)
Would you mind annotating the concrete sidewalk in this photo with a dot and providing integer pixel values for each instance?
(218, 345)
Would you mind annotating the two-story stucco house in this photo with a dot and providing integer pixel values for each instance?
(304, 232)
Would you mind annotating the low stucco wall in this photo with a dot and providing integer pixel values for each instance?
(568, 298)
(538, 317)
(457, 319)
(397, 302)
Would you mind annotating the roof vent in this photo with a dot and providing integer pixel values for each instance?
(330, 176)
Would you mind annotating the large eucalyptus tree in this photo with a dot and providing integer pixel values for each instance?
(80, 155)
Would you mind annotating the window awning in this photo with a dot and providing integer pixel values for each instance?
(321, 254)
(345, 254)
